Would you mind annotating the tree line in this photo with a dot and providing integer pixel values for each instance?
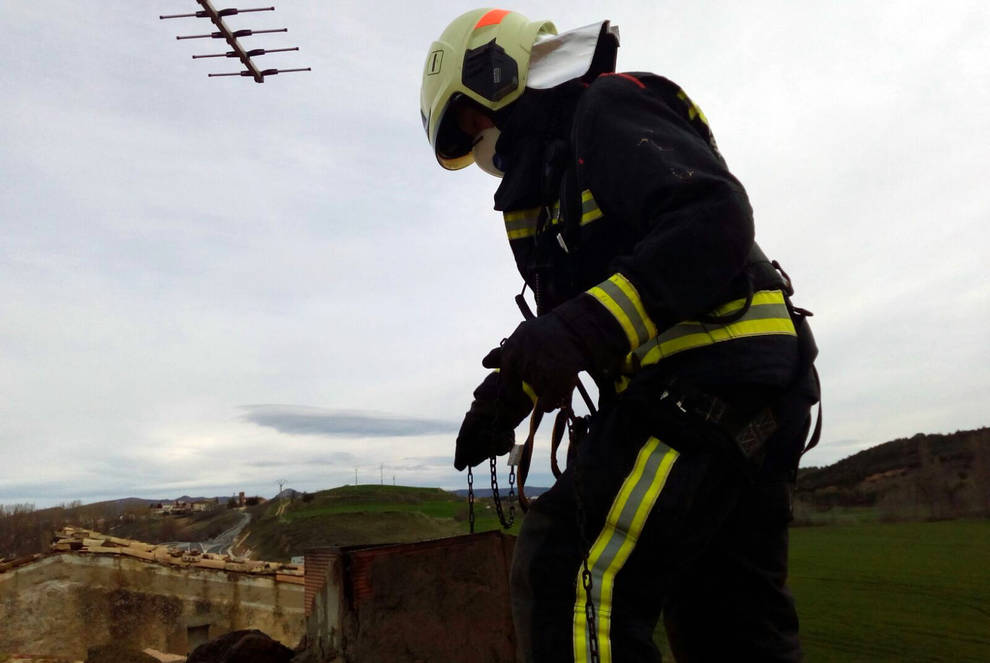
(917, 478)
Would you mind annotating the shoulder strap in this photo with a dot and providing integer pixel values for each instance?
(817, 432)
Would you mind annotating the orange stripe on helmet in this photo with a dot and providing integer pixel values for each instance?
(494, 17)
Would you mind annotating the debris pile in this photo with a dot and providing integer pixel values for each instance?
(248, 646)
(77, 540)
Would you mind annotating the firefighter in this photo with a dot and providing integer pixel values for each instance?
(638, 244)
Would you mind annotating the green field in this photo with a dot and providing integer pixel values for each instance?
(897, 592)
(893, 592)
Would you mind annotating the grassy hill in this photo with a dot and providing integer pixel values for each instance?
(280, 528)
(192, 527)
(357, 515)
(925, 477)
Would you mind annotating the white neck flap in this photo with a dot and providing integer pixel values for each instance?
(556, 59)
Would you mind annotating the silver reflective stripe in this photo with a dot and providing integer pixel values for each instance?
(621, 299)
(765, 312)
(521, 223)
(628, 307)
(623, 526)
(768, 315)
(589, 208)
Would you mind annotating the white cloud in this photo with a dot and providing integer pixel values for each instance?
(176, 246)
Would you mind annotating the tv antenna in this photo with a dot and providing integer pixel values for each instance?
(216, 16)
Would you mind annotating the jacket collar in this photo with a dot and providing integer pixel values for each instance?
(534, 142)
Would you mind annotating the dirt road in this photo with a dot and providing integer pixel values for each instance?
(220, 544)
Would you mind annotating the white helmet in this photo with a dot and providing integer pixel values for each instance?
(482, 56)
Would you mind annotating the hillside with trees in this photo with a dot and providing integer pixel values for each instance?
(25, 530)
(923, 477)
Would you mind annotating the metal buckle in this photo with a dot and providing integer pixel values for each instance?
(516, 455)
(716, 410)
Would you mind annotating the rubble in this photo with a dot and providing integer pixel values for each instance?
(117, 653)
(248, 646)
(164, 657)
(77, 540)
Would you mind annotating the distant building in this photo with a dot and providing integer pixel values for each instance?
(176, 508)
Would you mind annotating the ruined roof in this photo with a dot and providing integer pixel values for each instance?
(75, 540)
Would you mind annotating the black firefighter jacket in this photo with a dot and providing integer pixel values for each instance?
(625, 220)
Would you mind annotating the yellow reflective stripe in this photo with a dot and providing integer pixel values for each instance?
(620, 298)
(736, 330)
(589, 208)
(693, 109)
(760, 298)
(580, 627)
(768, 315)
(520, 233)
(630, 291)
(613, 546)
(617, 313)
(516, 215)
(521, 223)
(528, 390)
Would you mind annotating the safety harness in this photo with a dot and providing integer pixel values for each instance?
(765, 312)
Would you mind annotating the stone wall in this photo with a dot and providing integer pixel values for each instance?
(445, 600)
(60, 604)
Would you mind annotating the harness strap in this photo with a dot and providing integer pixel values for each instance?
(749, 432)
(559, 426)
(527, 456)
(564, 416)
(817, 433)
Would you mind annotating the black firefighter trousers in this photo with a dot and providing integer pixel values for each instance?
(672, 524)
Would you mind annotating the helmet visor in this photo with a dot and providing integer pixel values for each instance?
(453, 146)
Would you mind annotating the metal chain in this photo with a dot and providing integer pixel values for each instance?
(497, 498)
(512, 494)
(471, 500)
(586, 578)
(589, 611)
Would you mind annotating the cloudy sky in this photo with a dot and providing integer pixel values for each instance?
(207, 285)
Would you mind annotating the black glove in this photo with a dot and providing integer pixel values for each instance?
(499, 406)
(549, 351)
